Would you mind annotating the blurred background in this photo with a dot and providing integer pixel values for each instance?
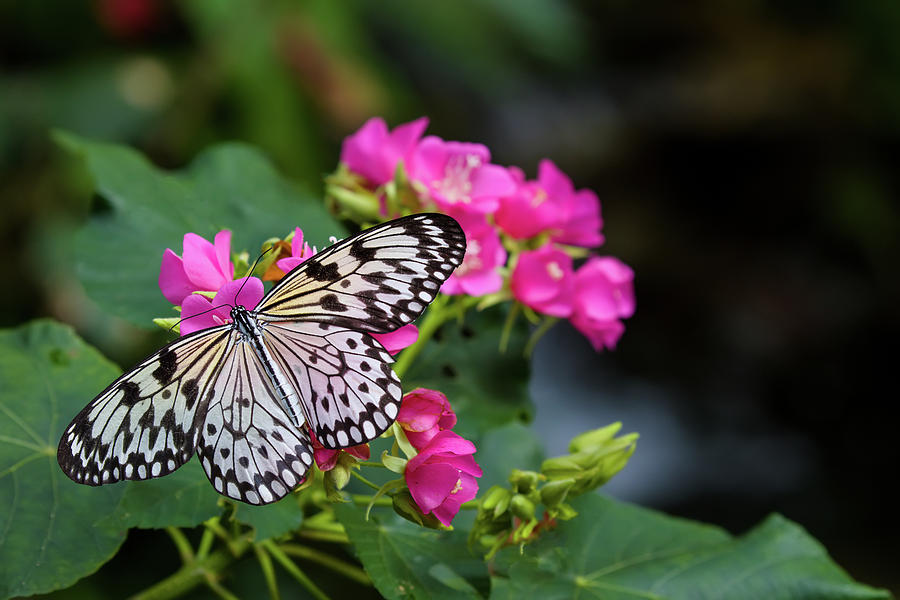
(745, 153)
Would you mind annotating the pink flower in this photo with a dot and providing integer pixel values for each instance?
(373, 152)
(327, 458)
(543, 279)
(395, 341)
(604, 293)
(423, 414)
(578, 212)
(442, 476)
(458, 174)
(204, 267)
(477, 275)
(300, 251)
(196, 313)
(528, 211)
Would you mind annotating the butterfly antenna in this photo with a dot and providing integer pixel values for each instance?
(197, 315)
(247, 276)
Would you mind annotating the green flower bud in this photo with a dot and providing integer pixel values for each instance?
(522, 507)
(524, 481)
(406, 507)
(493, 497)
(597, 437)
(554, 492)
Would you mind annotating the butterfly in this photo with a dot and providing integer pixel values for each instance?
(241, 395)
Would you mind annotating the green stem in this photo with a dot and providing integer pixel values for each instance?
(374, 486)
(434, 318)
(206, 542)
(329, 562)
(508, 326)
(294, 570)
(538, 333)
(185, 551)
(268, 569)
(371, 463)
(196, 573)
(324, 536)
(220, 591)
(364, 500)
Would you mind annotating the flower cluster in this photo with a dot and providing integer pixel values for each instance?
(522, 234)
(442, 475)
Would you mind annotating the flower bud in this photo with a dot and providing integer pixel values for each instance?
(524, 481)
(406, 507)
(522, 507)
(554, 492)
(594, 438)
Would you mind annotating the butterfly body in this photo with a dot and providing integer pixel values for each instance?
(242, 395)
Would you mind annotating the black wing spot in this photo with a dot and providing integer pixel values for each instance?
(321, 272)
(331, 303)
(166, 369)
(190, 389)
(166, 394)
(131, 393)
(211, 429)
(225, 452)
(244, 461)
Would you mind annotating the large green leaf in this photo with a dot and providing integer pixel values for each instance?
(52, 531)
(184, 498)
(407, 561)
(231, 186)
(486, 388)
(613, 551)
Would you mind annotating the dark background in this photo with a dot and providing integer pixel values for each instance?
(745, 154)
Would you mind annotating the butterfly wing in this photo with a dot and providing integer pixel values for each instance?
(349, 392)
(143, 424)
(375, 281)
(248, 448)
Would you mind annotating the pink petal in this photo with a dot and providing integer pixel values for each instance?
(196, 314)
(289, 264)
(173, 281)
(395, 341)
(450, 507)
(493, 181)
(448, 441)
(430, 484)
(420, 439)
(201, 263)
(296, 244)
(601, 334)
(555, 182)
(405, 136)
(481, 283)
(223, 253)
(250, 295)
(325, 458)
(362, 452)
(428, 160)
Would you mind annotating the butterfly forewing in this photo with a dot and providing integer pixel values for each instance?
(376, 281)
(349, 392)
(143, 424)
(247, 446)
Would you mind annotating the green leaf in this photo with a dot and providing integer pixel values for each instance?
(486, 388)
(230, 186)
(184, 498)
(407, 561)
(271, 520)
(614, 550)
(52, 530)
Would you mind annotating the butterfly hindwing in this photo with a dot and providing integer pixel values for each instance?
(375, 281)
(143, 424)
(247, 446)
(344, 379)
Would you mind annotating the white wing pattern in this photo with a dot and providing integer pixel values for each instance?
(222, 392)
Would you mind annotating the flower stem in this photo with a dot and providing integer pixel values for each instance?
(365, 500)
(508, 326)
(434, 318)
(538, 333)
(181, 542)
(330, 562)
(371, 463)
(265, 563)
(294, 570)
(318, 535)
(374, 486)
